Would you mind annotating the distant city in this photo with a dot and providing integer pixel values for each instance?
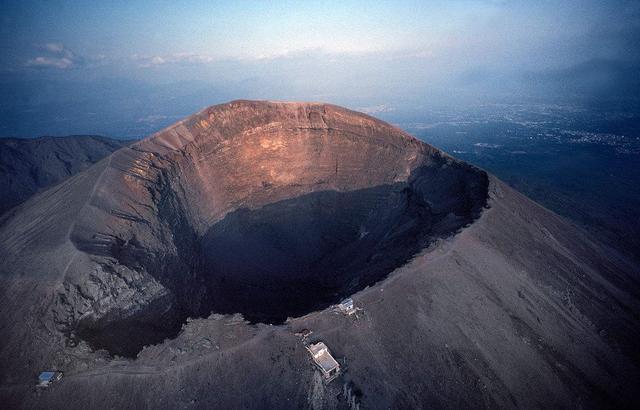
(579, 162)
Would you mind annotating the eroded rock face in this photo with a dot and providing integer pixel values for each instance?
(267, 209)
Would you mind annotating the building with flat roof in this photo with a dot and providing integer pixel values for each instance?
(347, 307)
(46, 378)
(324, 361)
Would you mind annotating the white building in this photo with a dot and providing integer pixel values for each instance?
(323, 359)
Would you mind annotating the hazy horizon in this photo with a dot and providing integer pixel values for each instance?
(125, 69)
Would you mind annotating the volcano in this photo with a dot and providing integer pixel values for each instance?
(213, 242)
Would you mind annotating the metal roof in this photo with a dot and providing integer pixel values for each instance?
(46, 376)
(347, 303)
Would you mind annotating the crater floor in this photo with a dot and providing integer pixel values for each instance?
(279, 209)
(270, 210)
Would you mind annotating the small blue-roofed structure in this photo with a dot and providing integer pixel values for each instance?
(48, 377)
(347, 307)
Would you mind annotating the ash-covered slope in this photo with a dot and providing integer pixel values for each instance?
(31, 165)
(267, 209)
(280, 209)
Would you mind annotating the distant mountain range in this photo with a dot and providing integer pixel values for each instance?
(190, 269)
(28, 166)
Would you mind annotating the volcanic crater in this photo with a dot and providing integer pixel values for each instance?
(268, 209)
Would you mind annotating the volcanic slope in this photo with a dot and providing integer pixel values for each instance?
(472, 294)
(28, 166)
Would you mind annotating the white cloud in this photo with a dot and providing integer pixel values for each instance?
(50, 62)
(376, 109)
(157, 60)
(56, 56)
(53, 47)
(176, 58)
(192, 58)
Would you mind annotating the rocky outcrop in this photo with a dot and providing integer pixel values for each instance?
(244, 203)
(277, 209)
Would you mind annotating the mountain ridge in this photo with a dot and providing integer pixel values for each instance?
(506, 303)
(29, 165)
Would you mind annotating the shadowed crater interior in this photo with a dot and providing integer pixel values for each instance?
(270, 224)
(298, 255)
(294, 256)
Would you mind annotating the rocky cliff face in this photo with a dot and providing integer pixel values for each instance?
(472, 294)
(267, 209)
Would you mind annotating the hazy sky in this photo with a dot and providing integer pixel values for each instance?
(103, 57)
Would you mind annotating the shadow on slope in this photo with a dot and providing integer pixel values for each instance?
(299, 255)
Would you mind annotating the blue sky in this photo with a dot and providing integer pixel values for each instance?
(360, 53)
(165, 32)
